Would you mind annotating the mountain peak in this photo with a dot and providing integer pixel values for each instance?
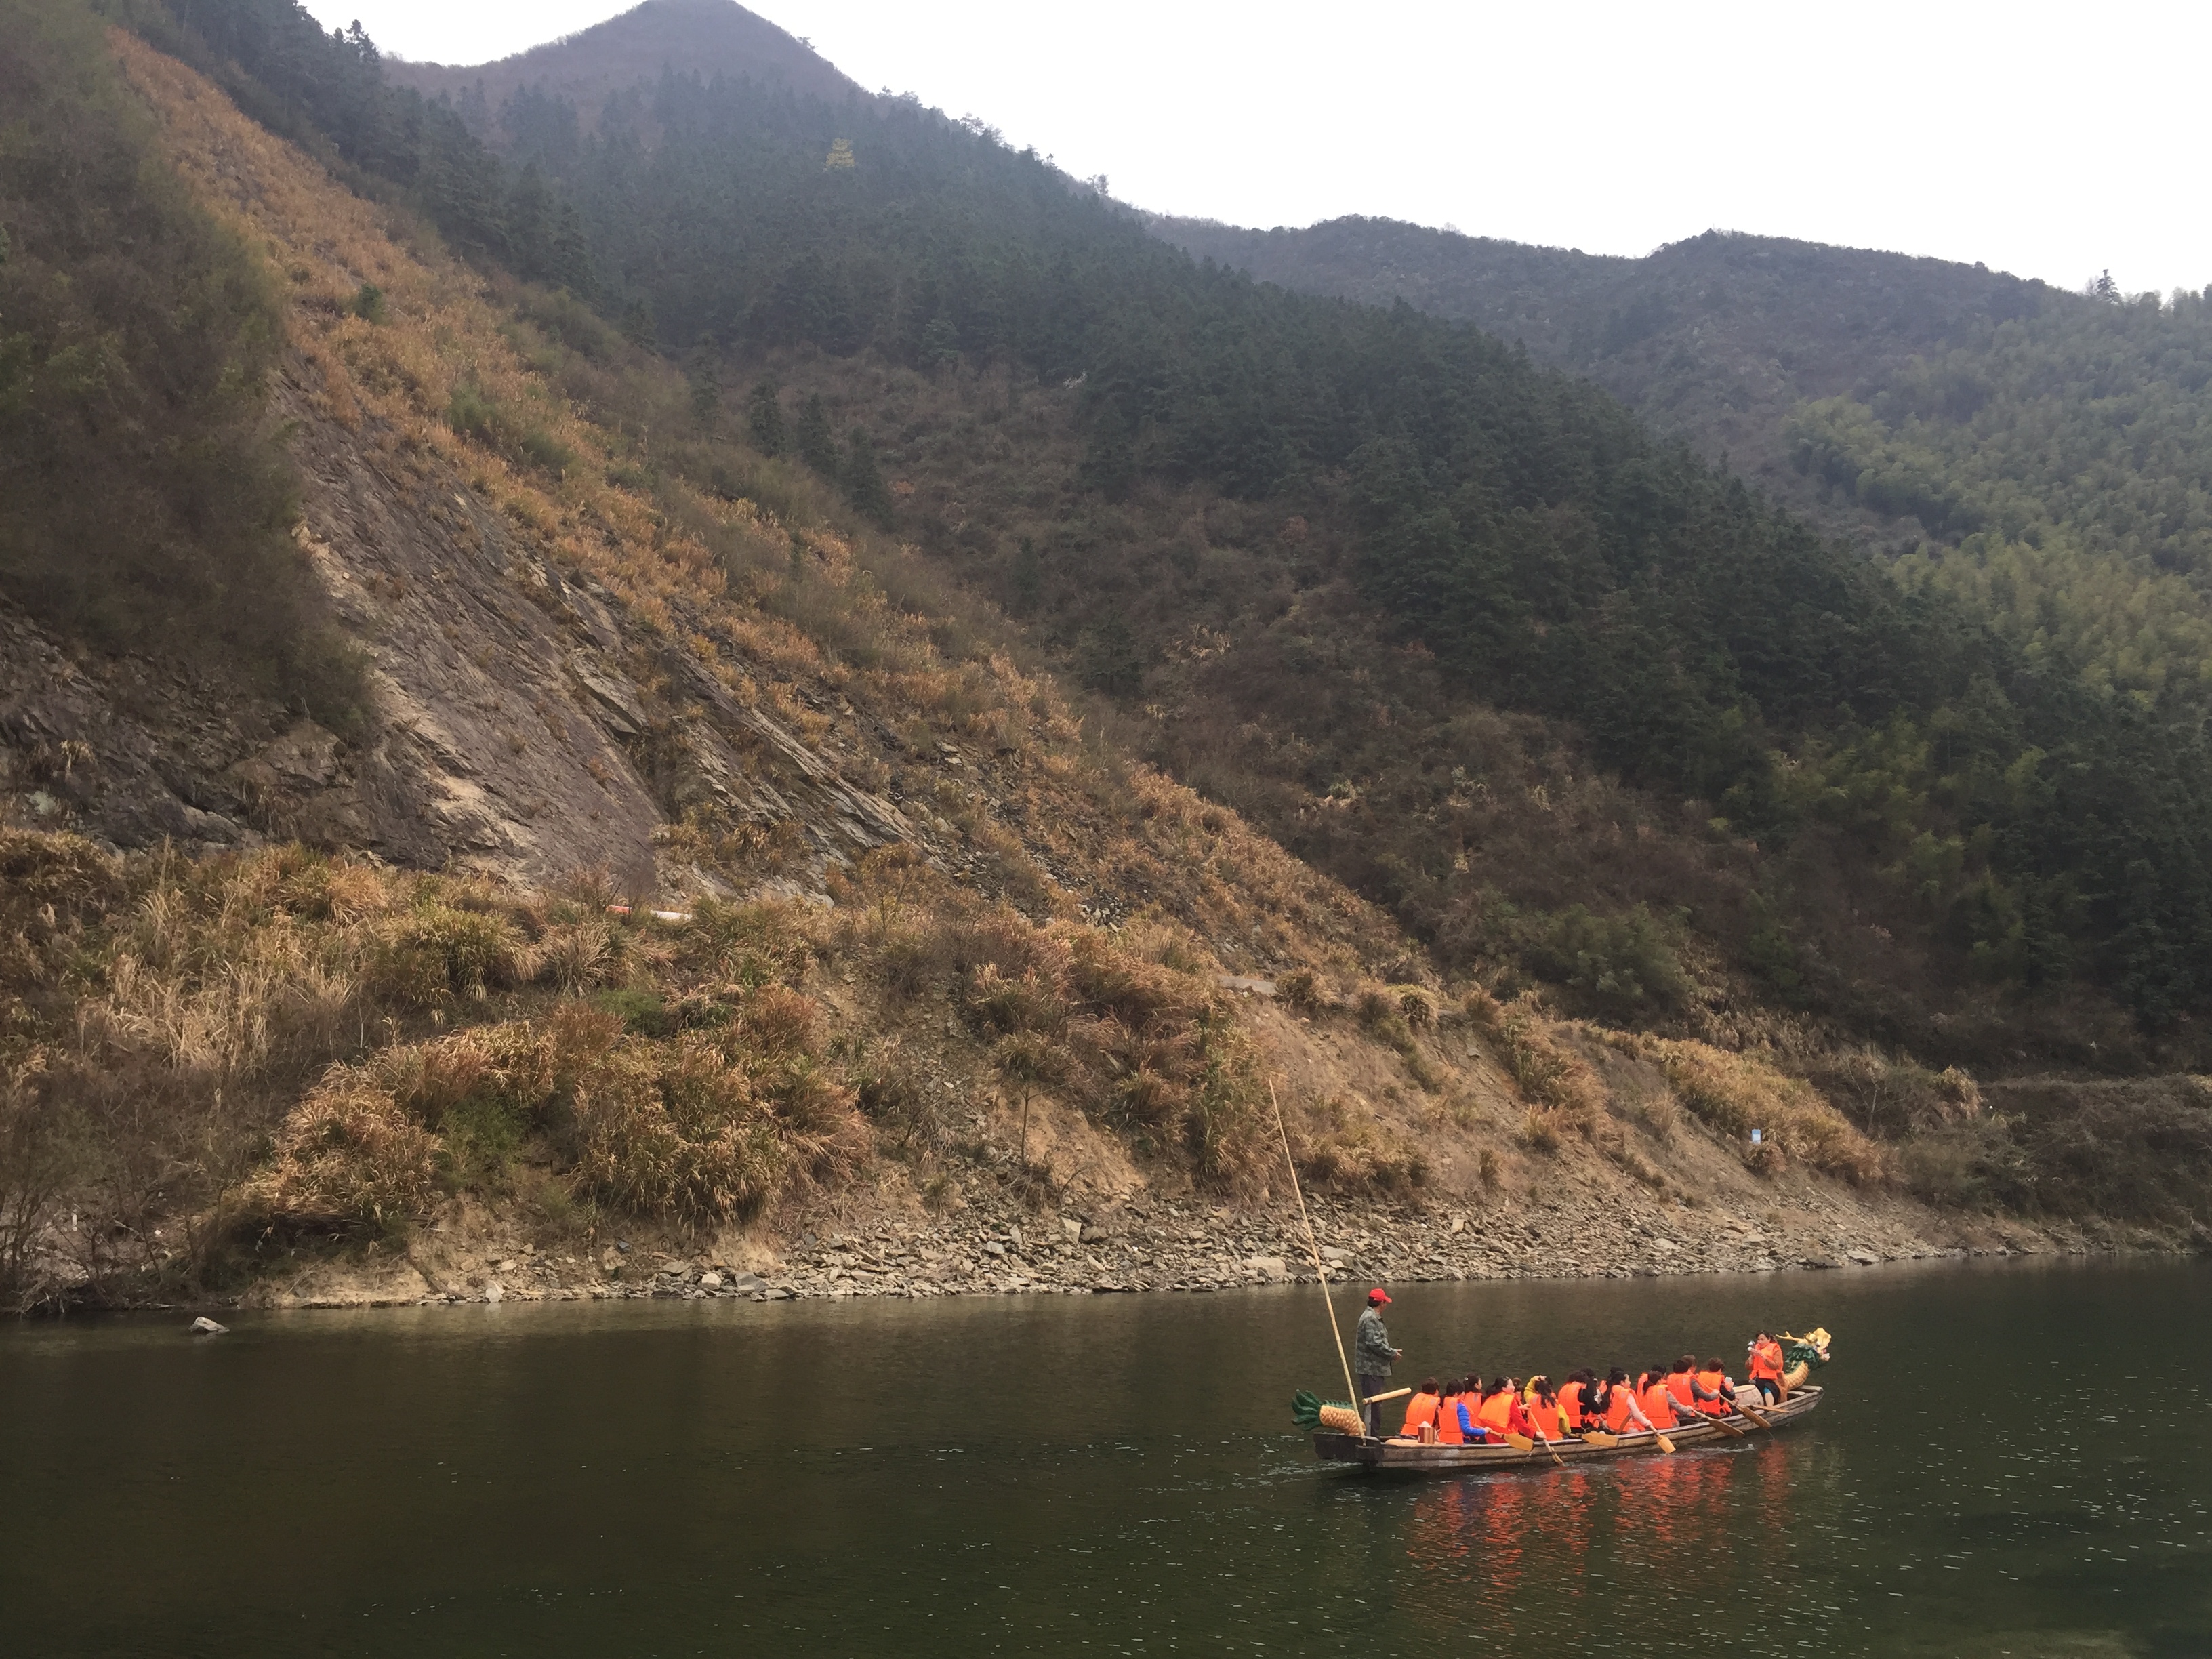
(705, 37)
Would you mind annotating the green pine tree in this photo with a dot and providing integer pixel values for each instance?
(705, 395)
(1029, 578)
(764, 416)
(864, 478)
(816, 444)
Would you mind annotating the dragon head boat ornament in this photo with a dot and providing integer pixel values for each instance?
(1802, 1354)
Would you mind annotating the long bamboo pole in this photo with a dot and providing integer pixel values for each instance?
(1350, 1388)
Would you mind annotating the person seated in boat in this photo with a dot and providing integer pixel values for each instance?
(1542, 1400)
(1766, 1368)
(1714, 1389)
(1657, 1402)
(1423, 1409)
(1454, 1422)
(1473, 1403)
(1574, 1397)
(1682, 1385)
(1502, 1412)
(1526, 1418)
(1621, 1413)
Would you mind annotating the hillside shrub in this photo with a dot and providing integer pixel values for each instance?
(2139, 1150)
(436, 955)
(687, 1139)
(350, 1155)
(1973, 1166)
(1623, 967)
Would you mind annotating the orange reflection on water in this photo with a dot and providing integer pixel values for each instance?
(1484, 1542)
(1674, 1515)
(1487, 1544)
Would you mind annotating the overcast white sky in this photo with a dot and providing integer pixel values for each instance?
(2050, 141)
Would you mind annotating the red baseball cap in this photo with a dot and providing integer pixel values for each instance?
(1378, 1294)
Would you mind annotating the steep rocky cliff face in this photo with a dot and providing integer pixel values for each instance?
(505, 728)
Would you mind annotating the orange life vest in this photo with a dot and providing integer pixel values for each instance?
(1570, 1405)
(1766, 1360)
(1717, 1383)
(1659, 1406)
(1547, 1417)
(1616, 1407)
(1497, 1413)
(1420, 1410)
(1448, 1429)
(1678, 1384)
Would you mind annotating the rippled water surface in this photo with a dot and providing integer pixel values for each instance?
(2011, 1460)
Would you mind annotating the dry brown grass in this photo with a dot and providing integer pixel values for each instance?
(256, 1037)
(350, 1153)
(1738, 1093)
(1565, 1094)
(1348, 1150)
(286, 1043)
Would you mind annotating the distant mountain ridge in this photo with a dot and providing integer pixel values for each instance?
(1717, 337)
(694, 37)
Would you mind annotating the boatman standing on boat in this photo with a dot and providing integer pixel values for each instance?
(1371, 1358)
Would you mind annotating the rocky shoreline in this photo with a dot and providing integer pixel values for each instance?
(1167, 1246)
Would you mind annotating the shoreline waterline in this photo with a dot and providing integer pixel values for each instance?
(1347, 1289)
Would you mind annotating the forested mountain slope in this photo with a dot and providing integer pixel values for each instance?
(1718, 337)
(1236, 491)
(935, 948)
(1304, 543)
(578, 680)
(2041, 455)
(1580, 709)
(2063, 467)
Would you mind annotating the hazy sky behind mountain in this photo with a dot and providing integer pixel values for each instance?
(2051, 143)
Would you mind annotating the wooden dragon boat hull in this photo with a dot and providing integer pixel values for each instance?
(1410, 1457)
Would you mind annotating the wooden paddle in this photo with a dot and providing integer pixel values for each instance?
(1394, 1394)
(1601, 1439)
(1521, 1442)
(1755, 1415)
(1724, 1426)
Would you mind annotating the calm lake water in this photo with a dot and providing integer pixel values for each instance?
(2013, 1459)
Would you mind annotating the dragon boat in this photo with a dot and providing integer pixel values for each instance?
(1751, 1419)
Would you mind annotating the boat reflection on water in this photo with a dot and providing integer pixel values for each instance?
(1484, 1544)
